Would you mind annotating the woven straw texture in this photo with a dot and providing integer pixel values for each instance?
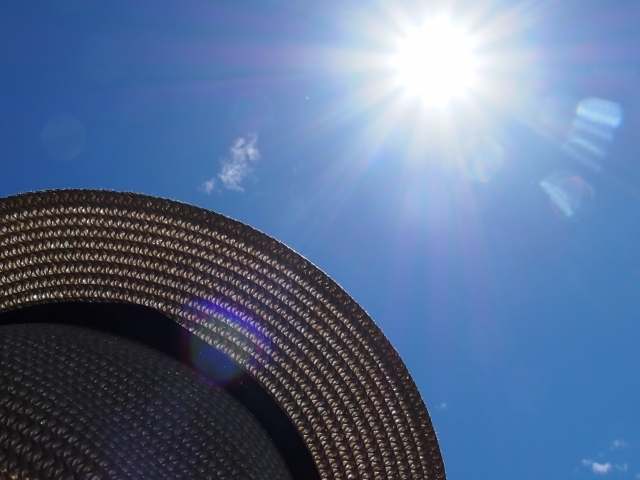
(295, 331)
(80, 404)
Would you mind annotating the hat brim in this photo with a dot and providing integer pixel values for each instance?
(294, 330)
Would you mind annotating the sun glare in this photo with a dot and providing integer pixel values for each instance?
(436, 62)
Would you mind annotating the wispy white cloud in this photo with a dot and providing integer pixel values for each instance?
(618, 444)
(601, 468)
(598, 468)
(622, 468)
(442, 406)
(209, 185)
(237, 165)
(608, 467)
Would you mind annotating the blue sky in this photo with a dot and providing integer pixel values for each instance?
(494, 239)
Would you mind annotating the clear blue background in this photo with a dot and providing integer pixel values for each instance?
(519, 323)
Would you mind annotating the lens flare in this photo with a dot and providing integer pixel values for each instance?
(243, 341)
(436, 62)
(593, 130)
(570, 195)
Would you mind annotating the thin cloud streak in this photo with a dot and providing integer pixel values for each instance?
(236, 165)
(618, 444)
(601, 468)
(598, 468)
(208, 186)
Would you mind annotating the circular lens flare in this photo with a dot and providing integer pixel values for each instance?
(436, 62)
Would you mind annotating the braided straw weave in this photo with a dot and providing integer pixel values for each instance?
(293, 329)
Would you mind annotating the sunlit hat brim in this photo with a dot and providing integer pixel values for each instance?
(293, 329)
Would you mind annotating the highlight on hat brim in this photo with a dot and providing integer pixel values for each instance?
(294, 330)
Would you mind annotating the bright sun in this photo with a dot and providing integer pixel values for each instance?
(436, 62)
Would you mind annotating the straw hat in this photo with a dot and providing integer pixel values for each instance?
(285, 371)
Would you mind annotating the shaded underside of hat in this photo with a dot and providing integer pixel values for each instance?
(268, 368)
